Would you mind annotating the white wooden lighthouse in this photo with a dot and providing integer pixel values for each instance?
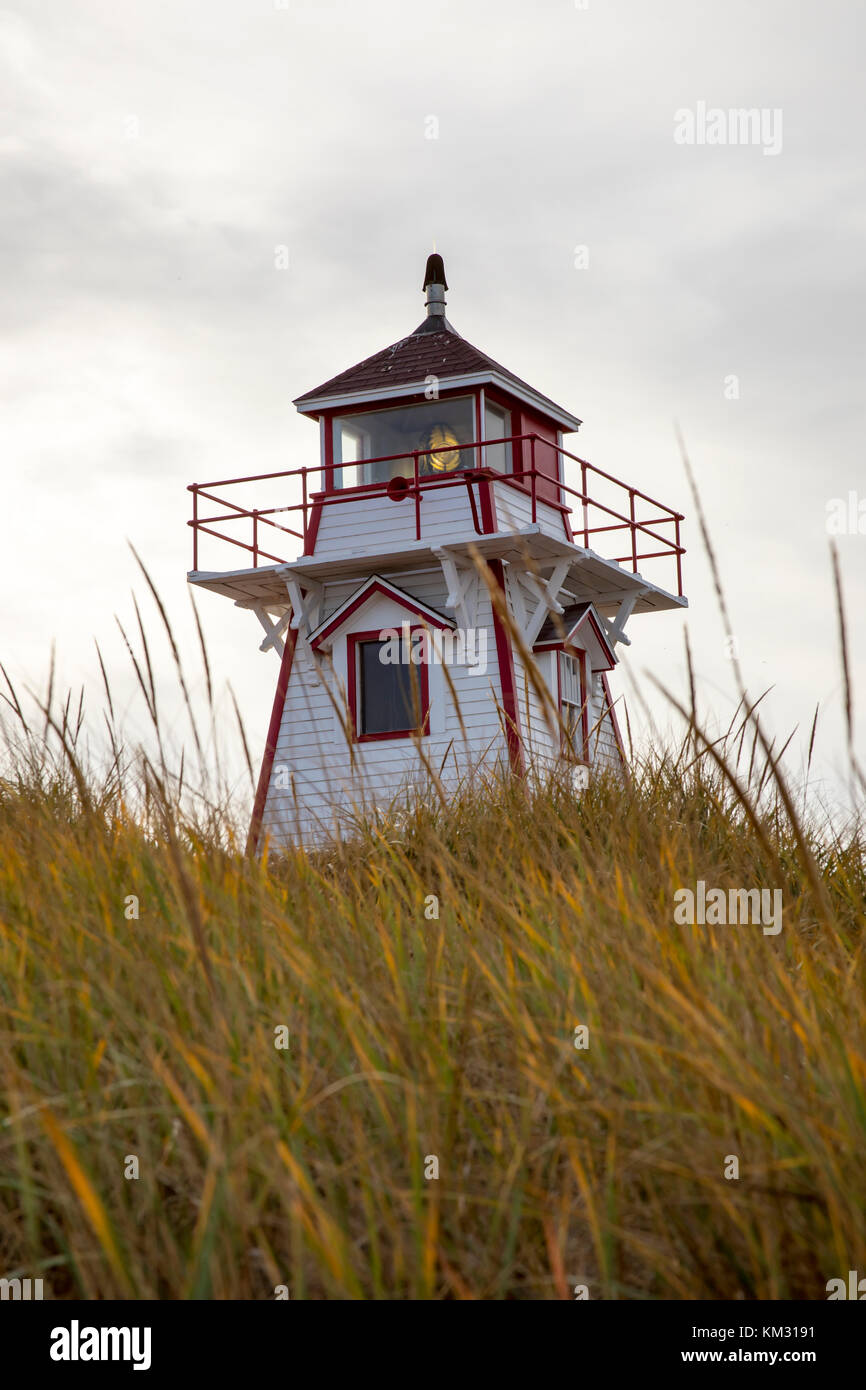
(459, 586)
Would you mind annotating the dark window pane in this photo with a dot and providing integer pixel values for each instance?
(387, 703)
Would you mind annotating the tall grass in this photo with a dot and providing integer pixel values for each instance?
(413, 1036)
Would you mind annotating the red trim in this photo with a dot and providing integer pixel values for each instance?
(328, 480)
(613, 719)
(487, 499)
(517, 460)
(313, 528)
(271, 742)
(377, 489)
(584, 704)
(566, 518)
(602, 637)
(353, 640)
(377, 586)
(505, 658)
(542, 483)
(327, 485)
(564, 747)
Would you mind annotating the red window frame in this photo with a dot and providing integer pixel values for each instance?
(353, 641)
(565, 747)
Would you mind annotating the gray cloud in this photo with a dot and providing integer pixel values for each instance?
(153, 158)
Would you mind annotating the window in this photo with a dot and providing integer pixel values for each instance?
(387, 698)
(374, 446)
(351, 452)
(572, 701)
(497, 425)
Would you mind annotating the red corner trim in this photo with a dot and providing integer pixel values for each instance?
(487, 499)
(505, 658)
(313, 528)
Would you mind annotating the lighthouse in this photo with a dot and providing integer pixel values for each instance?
(441, 588)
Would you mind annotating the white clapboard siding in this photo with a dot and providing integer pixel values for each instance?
(538, 740)
(360, 526)
(326, 778)
(605, 749)
(357, 528)
(514, 511)
(320, 782)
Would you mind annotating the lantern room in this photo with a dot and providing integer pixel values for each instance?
(427, 440)
(433, 408)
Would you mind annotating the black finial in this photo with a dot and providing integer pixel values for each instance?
(435, 272)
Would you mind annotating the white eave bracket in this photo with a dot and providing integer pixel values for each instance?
(306, 606)
(301, 613)
(463, 581)
(545, 593)
(273, 630)
(615, 627)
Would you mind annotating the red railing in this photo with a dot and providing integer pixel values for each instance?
(544, 490)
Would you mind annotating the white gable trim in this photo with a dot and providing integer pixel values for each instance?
(372, 588)
(603, 647)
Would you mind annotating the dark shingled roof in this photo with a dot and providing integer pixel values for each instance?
(567, 621)
(431, 350)
(554, 625)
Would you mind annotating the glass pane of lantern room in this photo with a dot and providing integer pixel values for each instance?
(497, 425)
(381, 442)
(351, 452)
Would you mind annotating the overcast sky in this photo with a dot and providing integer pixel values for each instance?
(153, 157)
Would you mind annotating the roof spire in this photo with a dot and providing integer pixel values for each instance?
(435, 286)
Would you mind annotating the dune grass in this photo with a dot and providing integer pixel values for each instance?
(430, 977)
(413, 1037)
